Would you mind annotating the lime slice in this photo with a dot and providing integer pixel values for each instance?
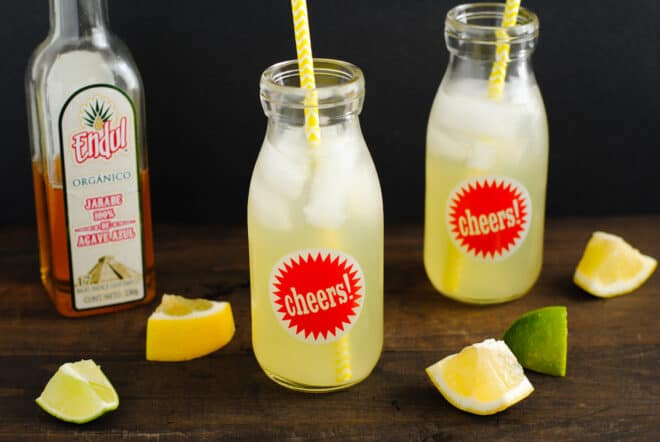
(181, 329)
(78, 392)
(539, 340)
(483, 378)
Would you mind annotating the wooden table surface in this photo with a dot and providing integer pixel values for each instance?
(611, 390)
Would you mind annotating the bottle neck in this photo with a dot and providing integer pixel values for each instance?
(345, 135)
(283, 115)
(78, 18)
(338, 96)
(519, 70)
(476, 39)
(295, 121)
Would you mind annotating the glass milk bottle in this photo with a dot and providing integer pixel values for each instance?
(88, 144)
(486, 162)
(315, 226)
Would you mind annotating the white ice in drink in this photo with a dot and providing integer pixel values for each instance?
(466, 127)
(296, 185)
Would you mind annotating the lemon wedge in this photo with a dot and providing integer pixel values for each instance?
(78, 392)
(612, 267)
(483, 378)
(181, 329)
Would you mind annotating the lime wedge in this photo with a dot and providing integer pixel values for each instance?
(78, 392)
(539, 340)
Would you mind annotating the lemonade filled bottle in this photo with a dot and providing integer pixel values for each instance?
(315, 226)
(486, 160)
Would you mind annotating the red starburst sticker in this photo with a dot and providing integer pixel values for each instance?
(317, 294)
(489, 217)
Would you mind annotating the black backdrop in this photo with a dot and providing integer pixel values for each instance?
(597, 66)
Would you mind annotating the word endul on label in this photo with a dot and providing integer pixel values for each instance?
(317, 294)
(489, 217)
(104, 143)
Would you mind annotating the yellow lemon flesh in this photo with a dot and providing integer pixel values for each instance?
(483, 378)
(78, 392)
(612, 267)
(181, 329)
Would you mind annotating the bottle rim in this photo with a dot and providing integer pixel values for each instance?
(337, 82)
(464, 22)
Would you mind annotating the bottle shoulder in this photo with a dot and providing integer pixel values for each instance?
(36, 61)
(70, 64)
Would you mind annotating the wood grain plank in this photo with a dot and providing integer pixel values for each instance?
(611, 391)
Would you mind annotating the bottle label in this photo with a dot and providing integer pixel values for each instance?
(101, 181)
(317, 294)
(488, 218)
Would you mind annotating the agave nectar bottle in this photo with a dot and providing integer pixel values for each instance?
(91, 182)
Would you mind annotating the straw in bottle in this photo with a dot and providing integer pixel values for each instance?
(498, 71)
(343, 367)
(306, 69)
(344, 372)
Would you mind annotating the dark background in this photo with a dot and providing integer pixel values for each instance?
(201, 60)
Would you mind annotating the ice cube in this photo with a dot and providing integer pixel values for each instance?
(478, 116)
(441, 142)
(283, 173)
(511, 152)
(365, 200)
(269, 208)
(331, 178)
(482, 156)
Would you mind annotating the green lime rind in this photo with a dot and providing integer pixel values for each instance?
(78, 392)
(539, 339)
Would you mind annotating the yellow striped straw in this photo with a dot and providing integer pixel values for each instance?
(343, 367)
(498, 72)
(306, 69)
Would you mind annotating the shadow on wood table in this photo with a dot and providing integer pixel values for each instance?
(611, 390)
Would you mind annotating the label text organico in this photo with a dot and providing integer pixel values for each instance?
(112, 177)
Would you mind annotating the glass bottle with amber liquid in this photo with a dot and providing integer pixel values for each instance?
(86, 115)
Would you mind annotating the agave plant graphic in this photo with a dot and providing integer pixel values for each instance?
(96, 114)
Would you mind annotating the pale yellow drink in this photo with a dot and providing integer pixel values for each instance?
(470, 136)
(316, 199)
